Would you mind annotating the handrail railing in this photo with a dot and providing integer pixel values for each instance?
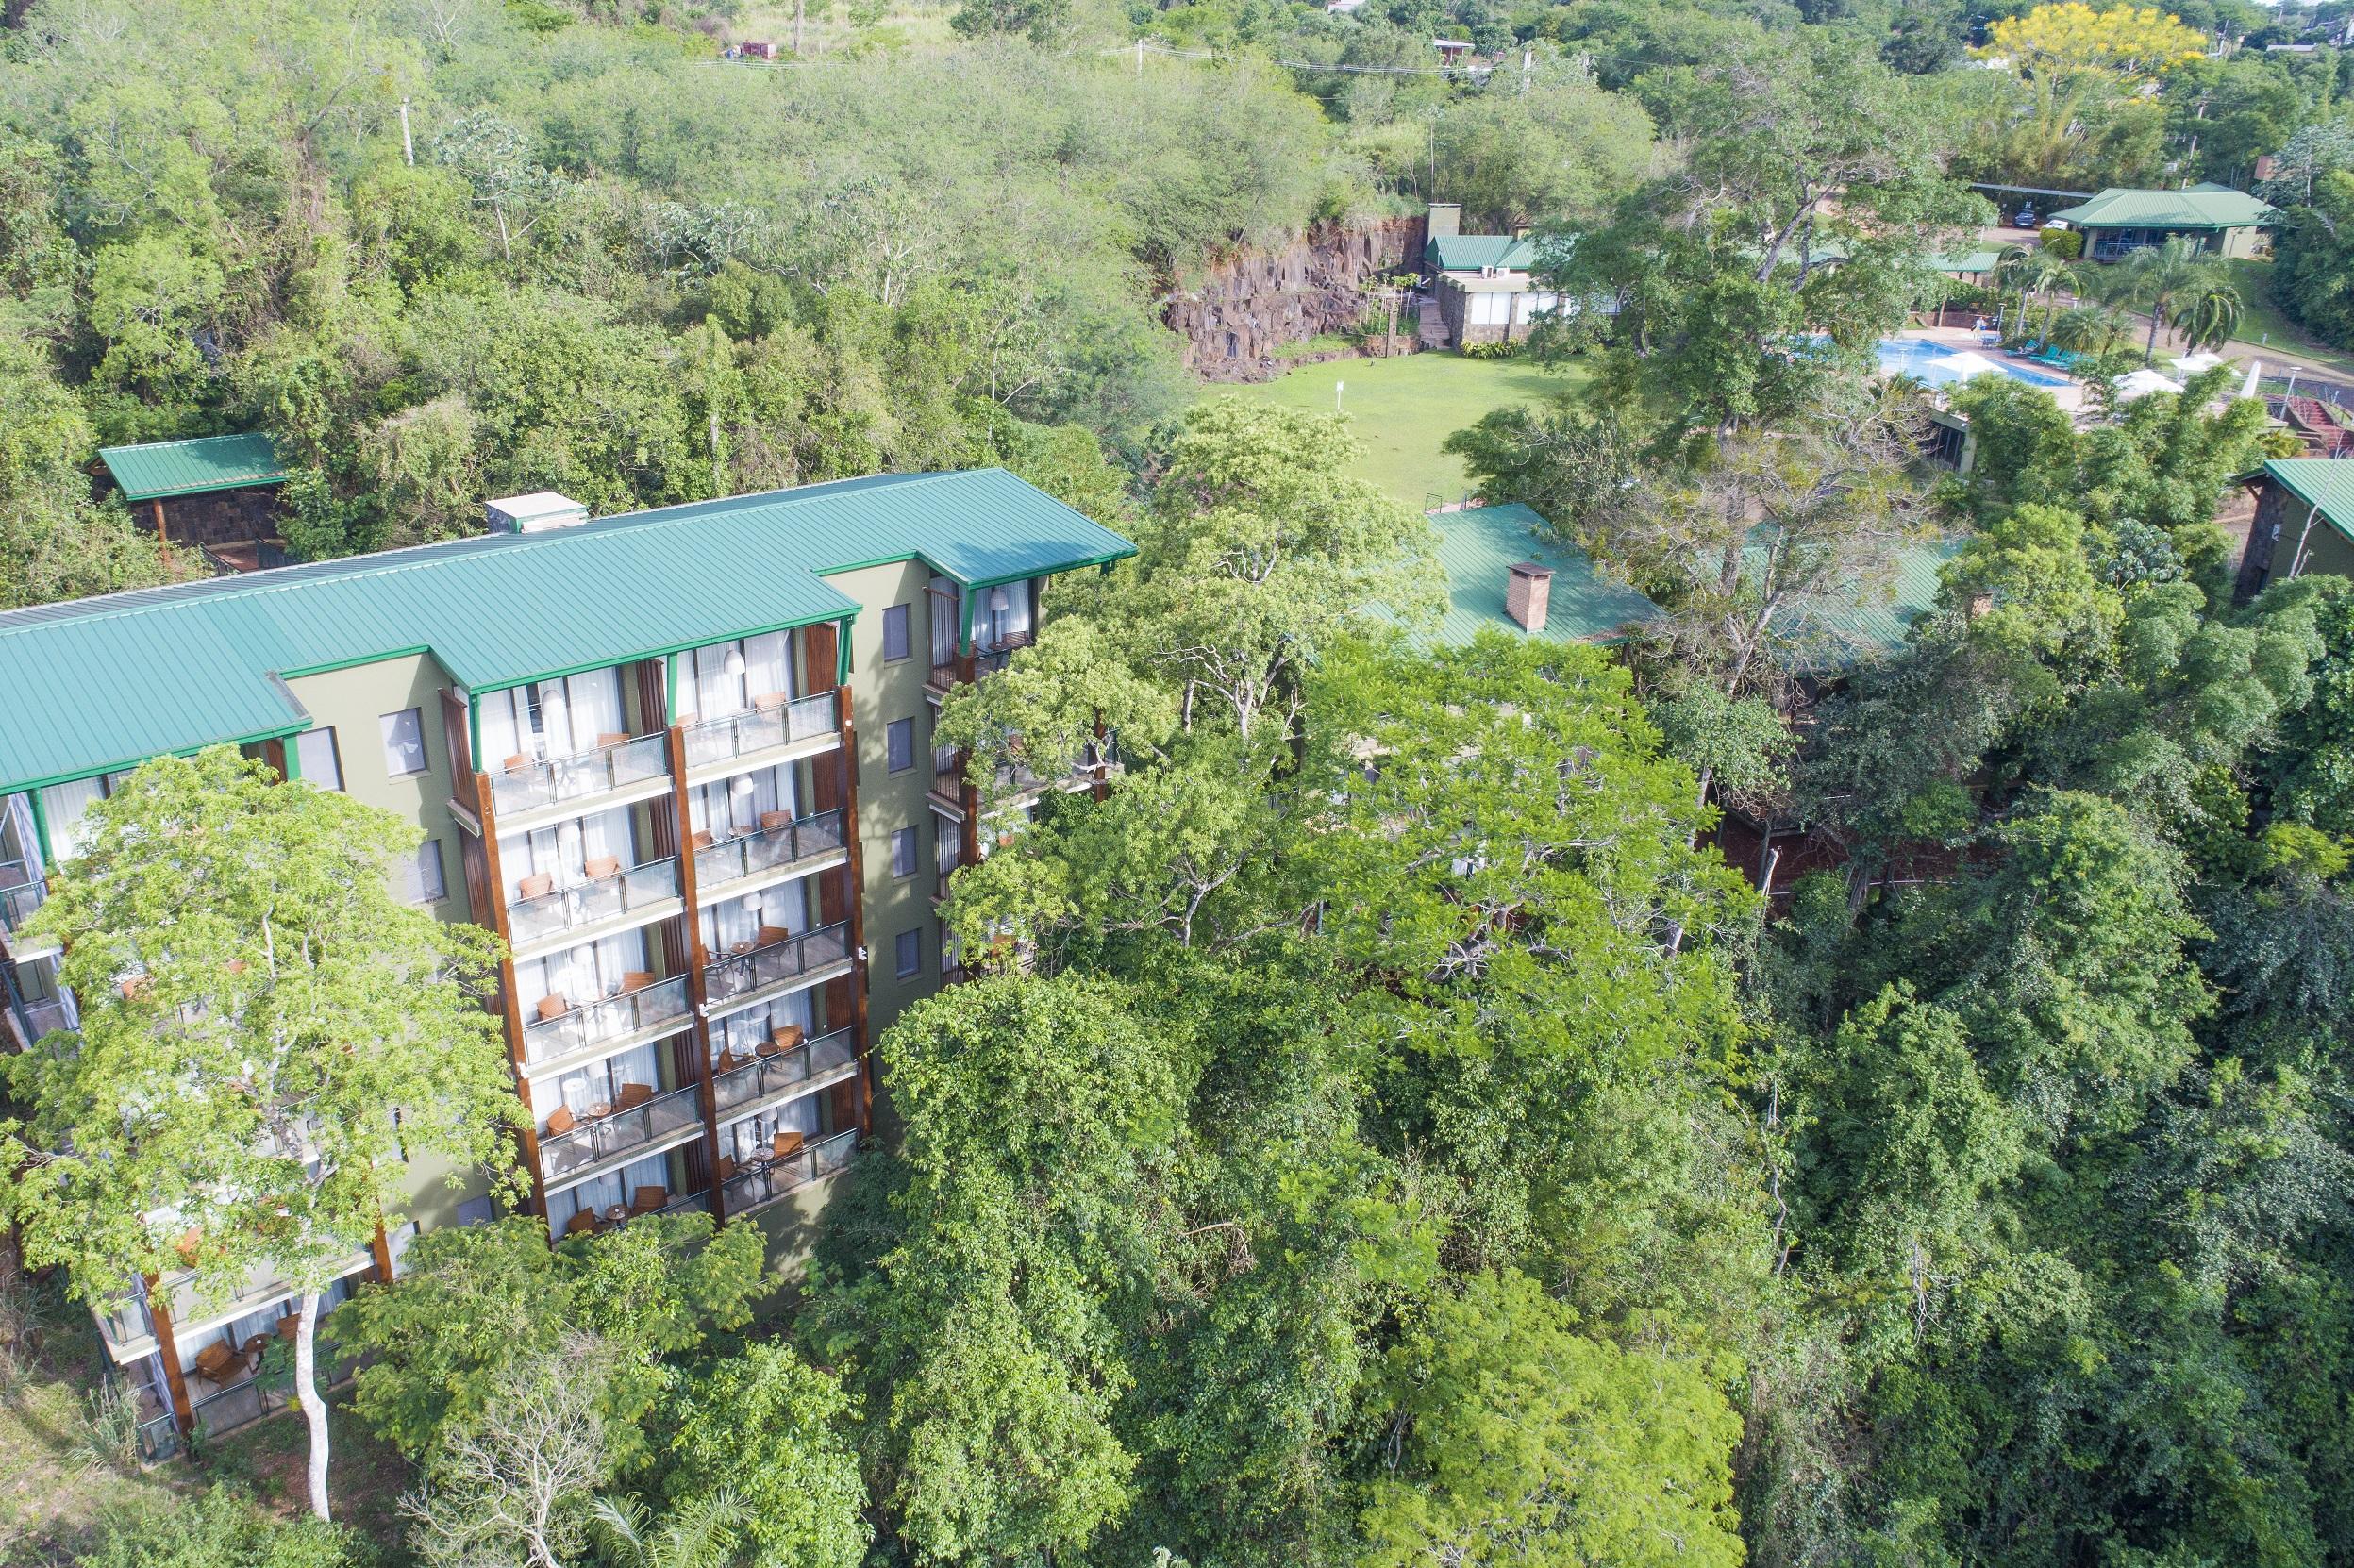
(22, 892)
(773, 1178)
(761, 728)
(608, 1018)
(749, 854)
(530, 919)
(765, 1075)
(618, 1132)
(742, 972)
(597, 770)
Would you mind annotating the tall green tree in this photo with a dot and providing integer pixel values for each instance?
(267, 1037)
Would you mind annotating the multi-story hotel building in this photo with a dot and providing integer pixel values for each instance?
(682, 760)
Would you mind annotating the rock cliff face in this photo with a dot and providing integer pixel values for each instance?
(1252, 304)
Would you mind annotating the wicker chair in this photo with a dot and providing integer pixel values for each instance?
(554, 1005)
(648, 1199)
(603, 866)
(582, 1222)
(561, 1121)
(631, 1096)
(537, 885)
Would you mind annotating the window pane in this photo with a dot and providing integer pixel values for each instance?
(903, 850)
(314, 756)
(899, 745)
(910, 953)
(895, 632)
(425, 885)
(404, 742)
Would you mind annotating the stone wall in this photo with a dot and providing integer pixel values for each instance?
(1245, 308)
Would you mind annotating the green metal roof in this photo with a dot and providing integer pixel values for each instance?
(166, 468)
(1835, 635)
(2326, 483)
(1469, 253)
(1478, 546)
(108, 682)
(1967, 262)
(2199, 206)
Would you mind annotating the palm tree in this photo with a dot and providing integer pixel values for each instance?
(700, 1534)
(2034, 272)
(2157, 277)
(2091, 332)
(2208, 315)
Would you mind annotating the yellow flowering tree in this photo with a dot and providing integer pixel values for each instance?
(2072, 57)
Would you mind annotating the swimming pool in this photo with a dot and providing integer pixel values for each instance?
(1925, 362)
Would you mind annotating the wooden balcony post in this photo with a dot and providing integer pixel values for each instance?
(168, 1351)
(690, 944)
(490, 911)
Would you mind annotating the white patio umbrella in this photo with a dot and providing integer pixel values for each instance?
(1961, 366)
(2141, 383)
(2255, 370)
(2191, 364)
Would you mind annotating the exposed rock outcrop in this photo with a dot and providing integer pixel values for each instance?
(1250, 304)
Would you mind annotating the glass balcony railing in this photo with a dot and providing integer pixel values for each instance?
(750, 854)
(661, 1005)
(20, 894)
(586, 903)
(756, 968)
(765, 1076)
(129, 1322)
(601, 771)
(617, 1131)
(773, 1178)
(762, 728)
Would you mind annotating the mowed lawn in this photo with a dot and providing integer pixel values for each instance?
(2262, 319)
(1403, 409)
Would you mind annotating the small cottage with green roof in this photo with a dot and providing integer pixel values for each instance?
(1503, 570)
(1482, 286)
(221, 490)
(2119, 222)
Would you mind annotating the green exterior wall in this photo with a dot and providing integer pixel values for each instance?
(880, 693)
(352, 702)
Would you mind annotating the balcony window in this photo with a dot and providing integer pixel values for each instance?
(728, 678)
(1009, 615)
(776, 959)
(606, 969)
(908, 954)
(547, 720)
(643, 1006)
(650, 1186)
(896, 642)
(778, 842)
(565, 854)
(772, 721)
(784, 1074)
(738, 926)
(738, 1037)
(772, 1175)
(899, 746)
(730, 807)
(906, 849)
(587, 1092)
(63, 805)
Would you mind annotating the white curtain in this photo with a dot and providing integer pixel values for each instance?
(1019, 615)
(768, 665)
(563, 850)
(551, 718)
(743, 1032)
(580, 974)
(64, 806)
(728, 922)
(593, 702)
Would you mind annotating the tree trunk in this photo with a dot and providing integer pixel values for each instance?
(2149, 352)
(307, 1391)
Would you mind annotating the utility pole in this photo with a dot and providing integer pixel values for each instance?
(407, 148)
(1528, 64)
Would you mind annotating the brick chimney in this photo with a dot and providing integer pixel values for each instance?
(1526, 588)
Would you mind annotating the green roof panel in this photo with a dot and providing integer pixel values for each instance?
(2325, 483)
(1478, 546)
(1835, 635)
(2198, 206)
(1470, 253)
(166, 468)
(139, 674)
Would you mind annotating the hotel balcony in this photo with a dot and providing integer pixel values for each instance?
(774, 730)
(527, 793)
(774, 1174)
(782, 849)
(984, 659)
(628, 1129)
(590, 1221)
(22, 891)
(607, 901)
(569, 1034)
(778, 1073)
(775, 963)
